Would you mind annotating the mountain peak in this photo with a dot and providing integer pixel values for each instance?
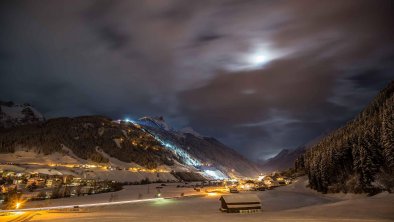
(12, 114)
(155, 122)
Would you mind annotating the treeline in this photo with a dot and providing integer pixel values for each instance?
(358, 157)
(86, 137)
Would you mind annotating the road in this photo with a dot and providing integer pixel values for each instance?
(20, 216)
(79, 205)
(26, 214)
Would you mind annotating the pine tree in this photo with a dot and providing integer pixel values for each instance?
(388, 134)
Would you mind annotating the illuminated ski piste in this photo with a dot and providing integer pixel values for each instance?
(215, 174)
(188, 160)
(180, 152)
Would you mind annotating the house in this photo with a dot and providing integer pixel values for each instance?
(85, 190)
(19, 183)
(270, 182)
(7, 188)
(249, 185)
(240, 203)
(76, 181)
(36, 180)
(53, 182)
(67, 179)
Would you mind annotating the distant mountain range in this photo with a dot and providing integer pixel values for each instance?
(285, 159)
(358, 157)
(148, 142)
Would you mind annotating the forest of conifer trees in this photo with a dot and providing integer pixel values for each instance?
(85, 136)
(359, 157)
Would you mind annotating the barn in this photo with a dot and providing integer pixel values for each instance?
(240, 203)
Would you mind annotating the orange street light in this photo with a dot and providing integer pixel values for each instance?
(17, 205)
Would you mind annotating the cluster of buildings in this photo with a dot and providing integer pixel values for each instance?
(263, 182)
(274, 180)
(33, 186)
(140, 169)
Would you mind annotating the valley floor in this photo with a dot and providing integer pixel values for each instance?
(290, 203)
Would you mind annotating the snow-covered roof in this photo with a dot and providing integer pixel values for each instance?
(46, 171)
(241, 198)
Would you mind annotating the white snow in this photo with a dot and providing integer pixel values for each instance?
(101, 131)
(130, 192)
(15, 112)
(191, 131)
(214, 174)
(115, 162)
(30, 157)
(290, 203)
(160, 123)
(118, 142)
(47, 171)
(127, 176)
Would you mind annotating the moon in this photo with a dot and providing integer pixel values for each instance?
(258, 56)
(257, 59)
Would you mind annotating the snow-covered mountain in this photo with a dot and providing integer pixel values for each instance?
(147, 142)
(155, 122)
(12, 114)
(283, 160)
(198, 151)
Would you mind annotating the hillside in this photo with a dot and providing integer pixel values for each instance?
(148, 143)
(359, 157)
(205, 153)
(85, 137)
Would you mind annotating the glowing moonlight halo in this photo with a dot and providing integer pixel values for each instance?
(257, 57)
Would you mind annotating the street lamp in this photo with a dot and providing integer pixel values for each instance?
(17, 205)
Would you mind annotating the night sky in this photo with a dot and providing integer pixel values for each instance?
(258, 75)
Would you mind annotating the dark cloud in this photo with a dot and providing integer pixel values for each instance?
(116, 39)
(207, 38)
(259, 75)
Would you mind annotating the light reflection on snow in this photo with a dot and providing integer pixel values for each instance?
(215, 174)
(180, 152)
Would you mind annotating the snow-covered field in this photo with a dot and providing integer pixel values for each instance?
(132, 192)
(291, 203)
(29, 157)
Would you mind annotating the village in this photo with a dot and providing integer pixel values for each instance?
(21, 187)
